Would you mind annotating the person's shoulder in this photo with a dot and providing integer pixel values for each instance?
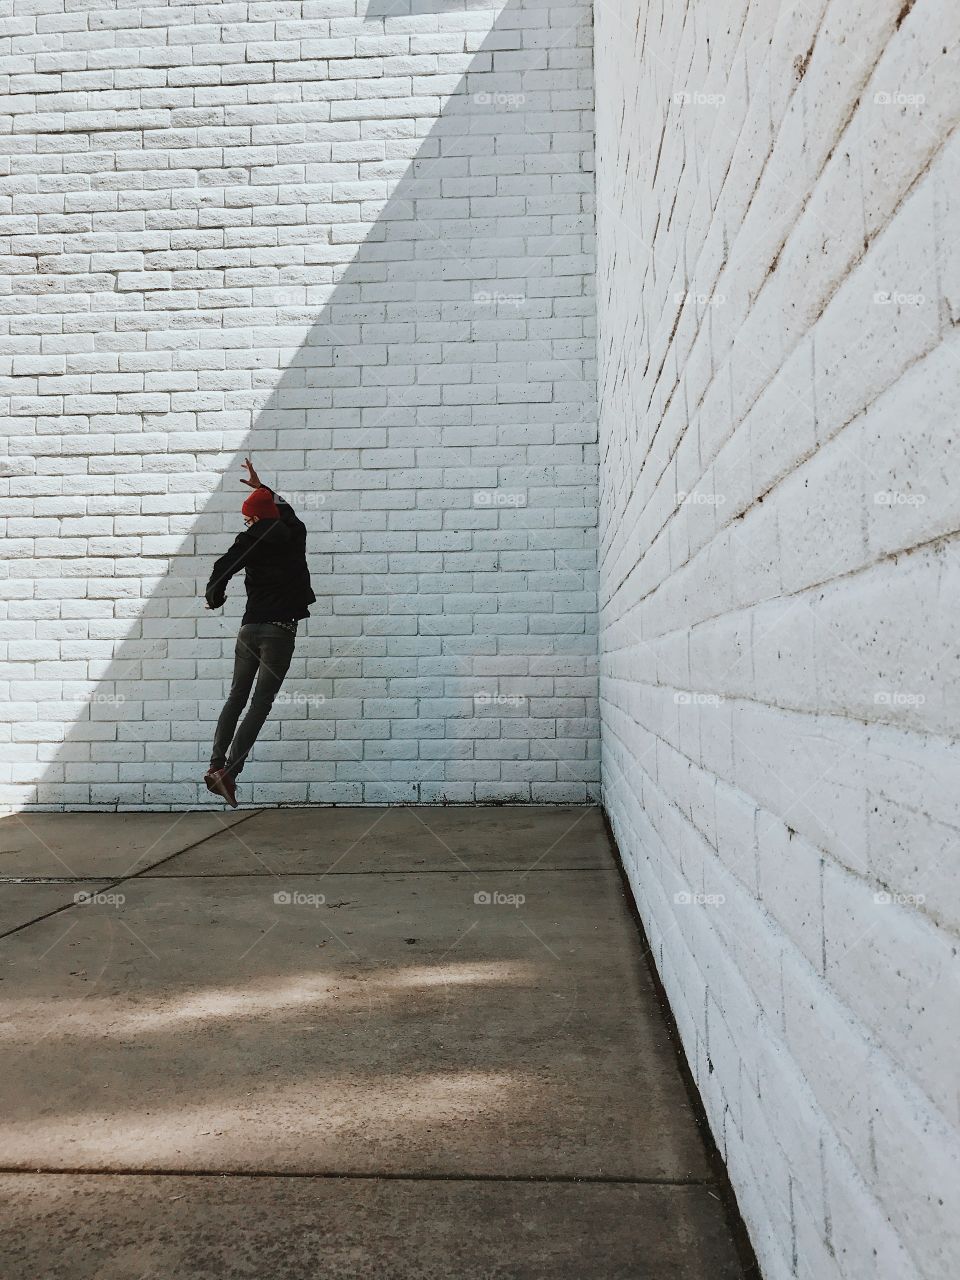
(242, 544)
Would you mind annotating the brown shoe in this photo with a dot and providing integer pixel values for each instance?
(221, 784)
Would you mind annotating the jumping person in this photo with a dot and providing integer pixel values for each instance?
(272, 552)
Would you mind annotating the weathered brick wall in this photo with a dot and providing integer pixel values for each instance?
(357, 241)
(779, 385)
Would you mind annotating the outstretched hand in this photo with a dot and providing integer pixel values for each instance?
(251, 478)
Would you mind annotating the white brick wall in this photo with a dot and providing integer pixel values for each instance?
(355, 241)
(779, 386)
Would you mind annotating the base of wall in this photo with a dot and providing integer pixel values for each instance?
(6, 811)
(738, 1229)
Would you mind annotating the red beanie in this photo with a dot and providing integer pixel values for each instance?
(260, 503)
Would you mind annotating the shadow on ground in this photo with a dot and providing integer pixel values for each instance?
(338, 1050)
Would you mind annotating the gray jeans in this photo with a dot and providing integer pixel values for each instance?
(263, 654)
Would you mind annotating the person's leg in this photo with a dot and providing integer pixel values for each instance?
(276, 649)
(246, 664)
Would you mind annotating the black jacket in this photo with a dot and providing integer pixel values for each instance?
(273, 553)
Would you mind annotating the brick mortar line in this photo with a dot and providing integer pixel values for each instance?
(606, 549)
(849, 272)
(755, 501)
(832, 857)
(821, 712)
(863, 1030)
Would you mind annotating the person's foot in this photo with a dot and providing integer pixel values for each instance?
(221, 784)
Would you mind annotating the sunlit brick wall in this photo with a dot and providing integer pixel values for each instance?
(357, 243)
(779, 386)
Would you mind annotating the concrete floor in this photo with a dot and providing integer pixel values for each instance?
(392, 1043)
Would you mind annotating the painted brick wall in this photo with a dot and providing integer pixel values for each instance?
(779, 386)
(357, 242)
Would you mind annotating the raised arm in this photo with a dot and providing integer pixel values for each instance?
(287, 513)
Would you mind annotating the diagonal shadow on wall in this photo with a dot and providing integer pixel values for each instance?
(416, 386)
